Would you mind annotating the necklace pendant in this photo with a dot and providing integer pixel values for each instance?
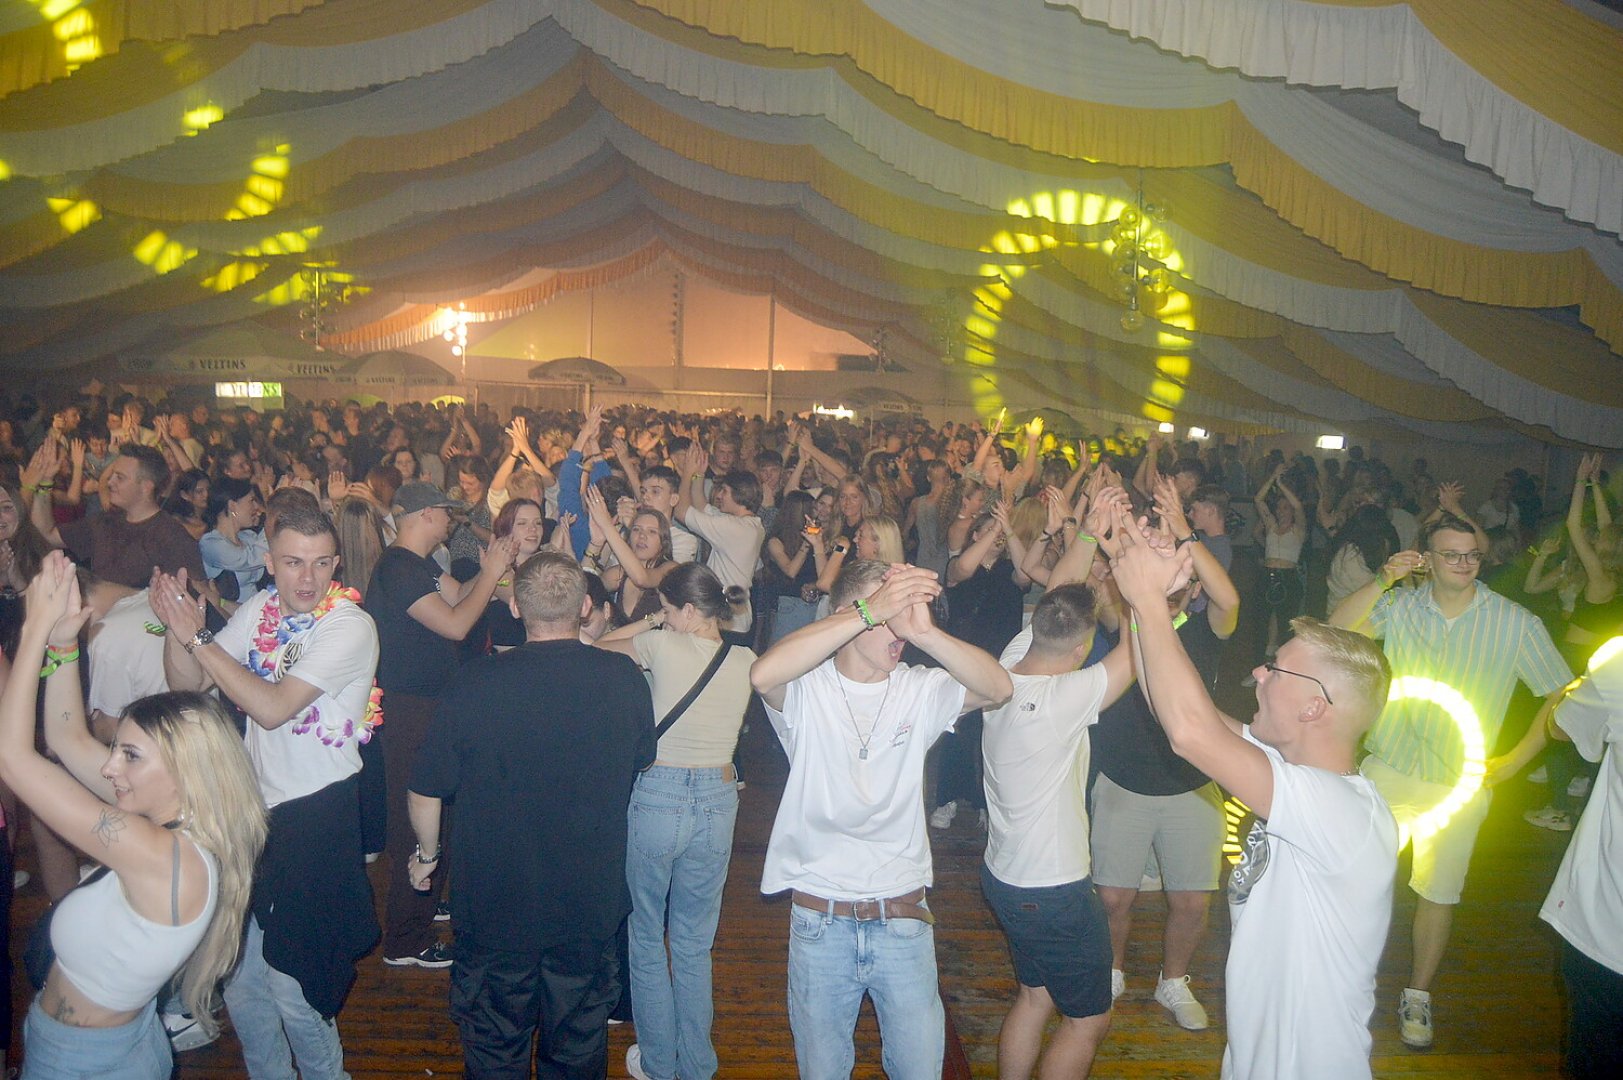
(863, 753)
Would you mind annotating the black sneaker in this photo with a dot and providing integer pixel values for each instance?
(437, 955)
(442, 912)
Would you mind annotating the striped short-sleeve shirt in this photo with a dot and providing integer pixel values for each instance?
(1493, 643)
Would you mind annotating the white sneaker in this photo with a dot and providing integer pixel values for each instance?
(980, 820)
(1538, 776)
(1414, 1018)
(634, 1063)
(1175, 995)
(1118, 984)
(941, 817)
(185, 1033)
(1548, 817)
(1579, 787)
(20, 878)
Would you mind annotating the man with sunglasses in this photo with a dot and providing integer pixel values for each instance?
(1459, 632)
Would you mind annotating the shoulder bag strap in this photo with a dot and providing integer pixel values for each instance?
(693, 692)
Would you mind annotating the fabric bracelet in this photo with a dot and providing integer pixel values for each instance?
(54, 660)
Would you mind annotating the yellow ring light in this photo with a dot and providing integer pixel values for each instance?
(1451, 701)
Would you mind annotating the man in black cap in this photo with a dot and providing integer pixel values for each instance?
(421, 614)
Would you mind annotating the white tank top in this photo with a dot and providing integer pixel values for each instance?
(115, 957)
(1283, 547)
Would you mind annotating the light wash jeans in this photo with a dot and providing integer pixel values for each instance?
(833, 962)
(138, 1050)
(275, 1024)
(679, 838)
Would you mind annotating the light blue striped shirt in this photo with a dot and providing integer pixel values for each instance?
(1492, 643)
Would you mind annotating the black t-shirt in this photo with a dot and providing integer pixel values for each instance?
(506, 629)
(1129, 744)
(987, 608)
(412, 659)
(539, 746)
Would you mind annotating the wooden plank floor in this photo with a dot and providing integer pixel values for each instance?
(1498, 1010)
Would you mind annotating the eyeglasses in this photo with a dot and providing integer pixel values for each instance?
(1454, 558)
(1277, 670)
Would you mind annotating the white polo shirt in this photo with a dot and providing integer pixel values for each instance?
(849, 827)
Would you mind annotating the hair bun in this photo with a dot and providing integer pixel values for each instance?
(737, 596)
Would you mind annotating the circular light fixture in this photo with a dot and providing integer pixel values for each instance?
(1461, 711)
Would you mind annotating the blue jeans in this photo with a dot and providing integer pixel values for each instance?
(833, 962)
(275, 1024)
(138, 1050)
(679, 840)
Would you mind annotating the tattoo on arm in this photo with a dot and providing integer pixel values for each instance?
(108, 826)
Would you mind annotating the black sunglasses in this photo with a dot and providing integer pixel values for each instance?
(1277, 670)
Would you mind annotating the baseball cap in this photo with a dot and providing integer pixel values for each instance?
(418, 495)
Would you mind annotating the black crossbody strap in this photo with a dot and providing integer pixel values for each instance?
(693, 692)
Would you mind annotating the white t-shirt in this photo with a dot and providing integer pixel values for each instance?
(1310, 904)
(684, 545)
(1585, 904)
(848, 827)
(705, 735)
(338, 656)
(126, 662)
(1036, 753)
(735, 547)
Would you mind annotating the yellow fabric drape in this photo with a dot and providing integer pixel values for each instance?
(39, 54)
(1401, 396)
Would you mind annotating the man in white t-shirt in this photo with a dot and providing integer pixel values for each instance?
(849, 839)
(1310, 900)
(299, 660)
(1037, 873)
(659, 488)
(728, 523)
(1585, 904)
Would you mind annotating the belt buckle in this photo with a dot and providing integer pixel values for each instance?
(867, 910)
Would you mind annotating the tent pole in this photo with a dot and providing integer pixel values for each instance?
(771, 345)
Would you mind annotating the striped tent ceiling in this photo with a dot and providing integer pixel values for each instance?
(1400, 214)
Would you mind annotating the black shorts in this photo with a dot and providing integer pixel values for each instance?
(1059, 940)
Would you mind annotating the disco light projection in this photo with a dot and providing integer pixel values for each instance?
(1605, 653)
(1461, 711)
(1157, 293)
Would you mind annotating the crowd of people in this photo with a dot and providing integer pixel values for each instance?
(514, 661)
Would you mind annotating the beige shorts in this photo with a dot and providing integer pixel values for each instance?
(1184, 832)
(1441, 859)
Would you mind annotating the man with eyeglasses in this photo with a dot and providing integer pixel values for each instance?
(1311, 899)
(1457, 631)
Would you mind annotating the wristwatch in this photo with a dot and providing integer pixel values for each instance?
(201, 638)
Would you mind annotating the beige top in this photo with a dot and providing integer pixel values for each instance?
(708, 731)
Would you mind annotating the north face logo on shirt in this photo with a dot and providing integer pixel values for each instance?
(1253, 864)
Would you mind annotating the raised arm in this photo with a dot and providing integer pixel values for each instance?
(1222, 598)
(1198, 732)
(964, 566)
(804, 649)
(1353, 612)
(1260, 499)
(129, 844)
(37, 479)
(1600, 586)
(984, 680)
(1450, 499)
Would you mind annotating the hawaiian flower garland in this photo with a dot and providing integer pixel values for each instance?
(270, 642)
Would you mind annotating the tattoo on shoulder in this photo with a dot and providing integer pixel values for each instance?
(108, 826)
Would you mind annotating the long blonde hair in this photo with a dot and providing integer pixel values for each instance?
(222, 810)
(888, 537)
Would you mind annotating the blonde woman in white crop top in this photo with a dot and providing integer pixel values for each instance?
(680, 822)
(174, 815)
(1284, 526)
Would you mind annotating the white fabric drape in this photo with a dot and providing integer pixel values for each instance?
(1379, 48)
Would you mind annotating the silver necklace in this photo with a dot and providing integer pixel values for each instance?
(862, 743)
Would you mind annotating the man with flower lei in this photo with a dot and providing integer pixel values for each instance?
(299, 659)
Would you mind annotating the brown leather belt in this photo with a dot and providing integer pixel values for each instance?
(907, 906)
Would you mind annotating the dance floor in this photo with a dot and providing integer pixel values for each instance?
(1498, 1001)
